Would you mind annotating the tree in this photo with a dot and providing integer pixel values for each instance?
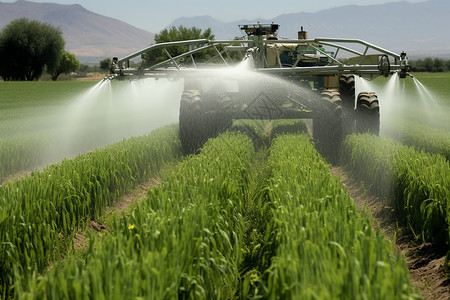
(83, 69)
(179, 34)
(26, 47)
(105, 64)
(428, 64)
(431, 65)
(67, 63)
(439, 65)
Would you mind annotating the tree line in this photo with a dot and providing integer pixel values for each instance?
(29, 49)
(430, 65)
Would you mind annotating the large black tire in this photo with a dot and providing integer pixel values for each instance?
(347, 91)
(328, 130)
(367, 113)
(191, 109)
(202, 117)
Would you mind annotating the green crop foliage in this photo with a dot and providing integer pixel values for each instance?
(262, 132)
(437, 83)
(199, 235)
(422, 137)
(40, 213)
(416, 183)
(43, 122)
(325, 249)
(21, 152)
(183, 241)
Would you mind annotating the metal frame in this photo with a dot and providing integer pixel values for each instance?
(171, 67)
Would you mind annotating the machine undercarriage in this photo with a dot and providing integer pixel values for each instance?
(264, 76)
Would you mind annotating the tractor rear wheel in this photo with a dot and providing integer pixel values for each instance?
(368, 113)
(201, 117)
(328, 125)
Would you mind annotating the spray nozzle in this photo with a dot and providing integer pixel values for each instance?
(404, 71)
(405, 67)
(109, 77)
(384, 65)
(403, 74)
(114, 63)
(249, 53)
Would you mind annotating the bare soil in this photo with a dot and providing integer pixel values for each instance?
(121, 206)
(94, 76)
(17, 175)
(425, 261)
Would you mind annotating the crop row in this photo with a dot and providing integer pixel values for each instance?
(192, 235)
(40, 213)
(262, 132)
(24, 152)
(182, 241)
(416, 183)
(19, 153)
(325, 249)
(422, 137)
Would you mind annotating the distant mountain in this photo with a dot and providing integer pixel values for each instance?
(420, 29)
(87, 35)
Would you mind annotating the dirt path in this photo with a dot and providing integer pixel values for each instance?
(122, 205)
(15, 176)
(425, 262)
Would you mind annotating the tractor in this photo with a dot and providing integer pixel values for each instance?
(265, 76)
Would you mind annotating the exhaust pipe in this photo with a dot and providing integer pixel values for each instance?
(302, 35)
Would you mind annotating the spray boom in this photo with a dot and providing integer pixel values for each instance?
(271, 54)
(308, 81)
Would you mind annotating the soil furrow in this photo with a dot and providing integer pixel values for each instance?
(425, 261)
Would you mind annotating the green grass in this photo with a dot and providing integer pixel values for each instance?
(415, 118)
(421, 137)
(23, 105)
(210, 231)
(36, 93)
(183, 241)
(30, 117)
(325, 248)
(40, 213)
(409, 102)
(438, 83)
(44, 122)
(205, 224)
(416, 184)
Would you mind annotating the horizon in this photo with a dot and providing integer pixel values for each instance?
(164, 15)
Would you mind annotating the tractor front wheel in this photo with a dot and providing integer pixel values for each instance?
(367, 113)
(328, 125)
(347, 91)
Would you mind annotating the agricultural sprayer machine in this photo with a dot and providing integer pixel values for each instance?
(276, 78)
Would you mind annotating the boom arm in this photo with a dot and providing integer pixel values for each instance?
(251, 45)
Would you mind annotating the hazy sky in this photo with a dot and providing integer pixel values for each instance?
(154, 15)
